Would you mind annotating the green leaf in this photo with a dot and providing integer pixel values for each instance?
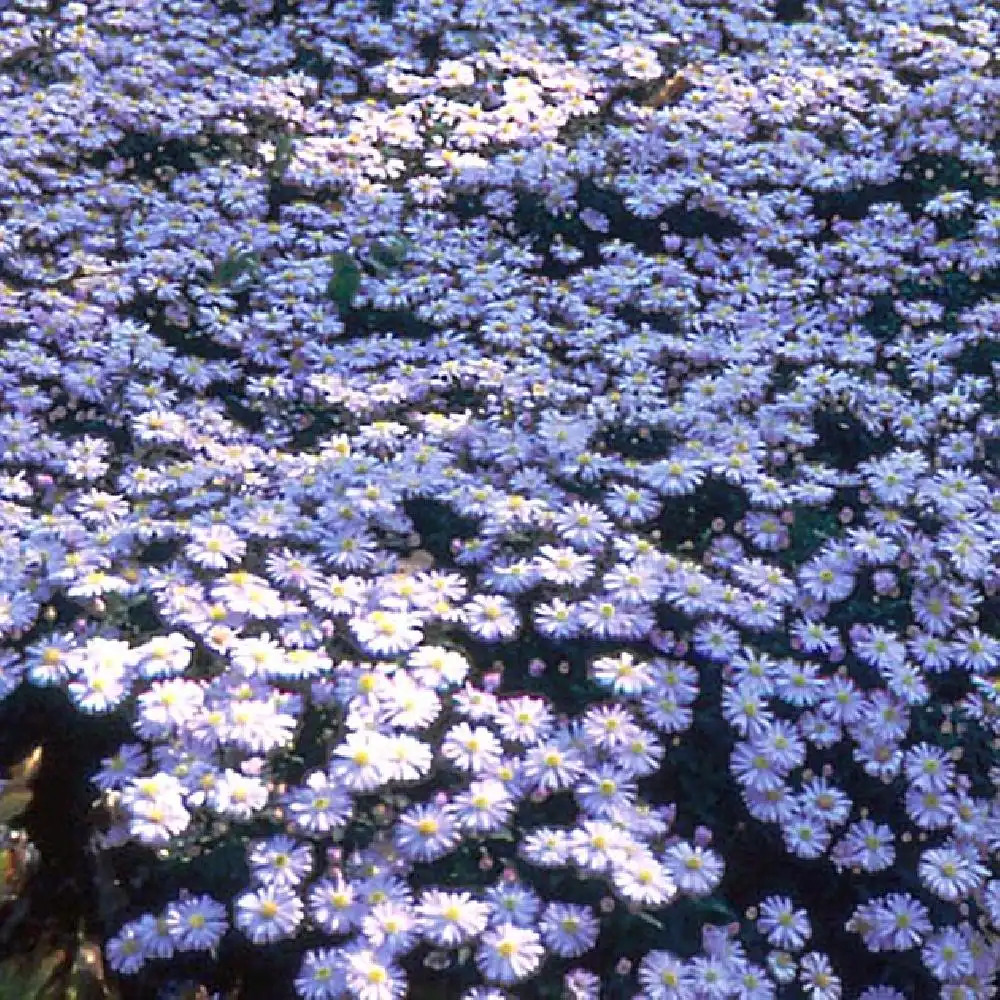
(284, 150)
(345, 281)
(235, 266)
(390, 254)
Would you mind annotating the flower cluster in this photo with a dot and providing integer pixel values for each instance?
(514, 468)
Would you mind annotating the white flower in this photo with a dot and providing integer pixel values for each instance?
(449, 919)
(269, 913)
(508, 953)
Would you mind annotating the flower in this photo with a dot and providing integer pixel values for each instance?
(514, 902)
(817, 978)
(693, 869)
(318, 806)
(568, 929)
(196, 923)
(947, 954)
(664, 976)
(508, 953)
(370, 975)
(270, 913)
(484, 808)
(427, 832)
(950, 873)
(644, 881)
(471, 749)
(449, 919)
(784, 926)
(280, 861)
(124, 950)
(321, 975)
(491, 618)
(387, 633)
(554, 764)
(335, 905)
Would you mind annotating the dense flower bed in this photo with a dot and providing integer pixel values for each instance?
(501, 499)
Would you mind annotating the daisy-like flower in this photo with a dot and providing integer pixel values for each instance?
(633, 583)
(335, 905)
(438, 667)
(557, 619)
(196, 923)
(154, 932)
(644, 881)
(319, 805)
(484, 807)
(508, 954)
(604, 792)
(568, 930)
(664, 976)
(391, 926)
(450, 919)
(693, 869)
(564, 566)
(900, 922)
(387, 633)
(124, 951)
(817, 977)
(361, 761)
(370, 975)
(806, 836)
(469, 748)
(245, 593)
(164, 655)
(546, 847)
(321, 975)
(117, 770)
(554, 764)
(950, 873)
(632, 504)
(270, 913)
(673, 477)
(603, 618)
(280, 861)
(214, 546)
(427, 832)
(237, 796)
(948, 954)
(784, 926)
(491, 618)
(623, 674)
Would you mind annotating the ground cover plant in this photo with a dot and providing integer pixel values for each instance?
(499, 500)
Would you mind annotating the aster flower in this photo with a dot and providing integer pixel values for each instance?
(508, 954)
(270, 913)
(693, 869)
(449, 919)
(784, 926)
(387, 634)
(491, 618)
(557, 619)
(335, 905)
(318, 806)
(321, 975)
(484, 808)
(665, 976)
(197, 923)
(427, 832)
(644, 881)
(817, 977)
(280, 861)
(124, 951)
(370, 975)
(568, 930)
